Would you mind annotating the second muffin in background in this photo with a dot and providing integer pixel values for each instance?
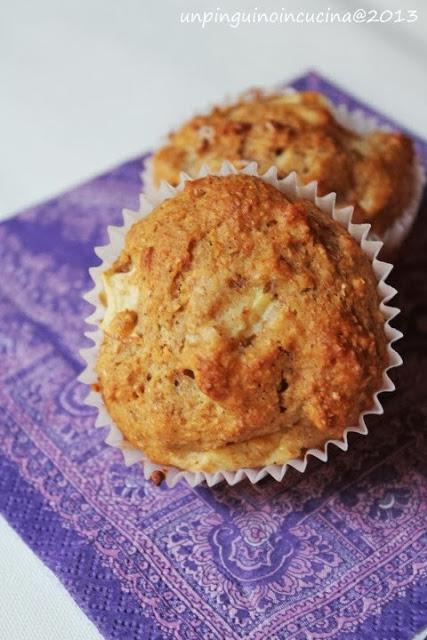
(298, 132)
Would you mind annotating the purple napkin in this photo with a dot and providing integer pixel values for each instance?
(338, 552)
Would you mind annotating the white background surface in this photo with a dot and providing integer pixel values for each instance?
(89, 83)
(33, 603)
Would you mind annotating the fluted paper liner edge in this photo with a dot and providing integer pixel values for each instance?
(357, 121)
(291, 187)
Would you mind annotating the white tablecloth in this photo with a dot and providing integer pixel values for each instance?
(33, 603)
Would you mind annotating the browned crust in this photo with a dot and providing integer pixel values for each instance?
(257, 331)
(157, 477)
(373, 172)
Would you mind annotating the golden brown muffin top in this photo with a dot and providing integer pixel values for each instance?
(298, 132)
(235, 319)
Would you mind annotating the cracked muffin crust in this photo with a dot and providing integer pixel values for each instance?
(298, 132)
(240, 328)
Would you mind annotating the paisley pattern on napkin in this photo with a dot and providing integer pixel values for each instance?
(338, 552)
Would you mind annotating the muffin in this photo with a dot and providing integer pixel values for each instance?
(240, 328)
(298, 132)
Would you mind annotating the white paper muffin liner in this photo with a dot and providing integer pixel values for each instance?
(354, 120)
(291, 187)
(393, 237)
